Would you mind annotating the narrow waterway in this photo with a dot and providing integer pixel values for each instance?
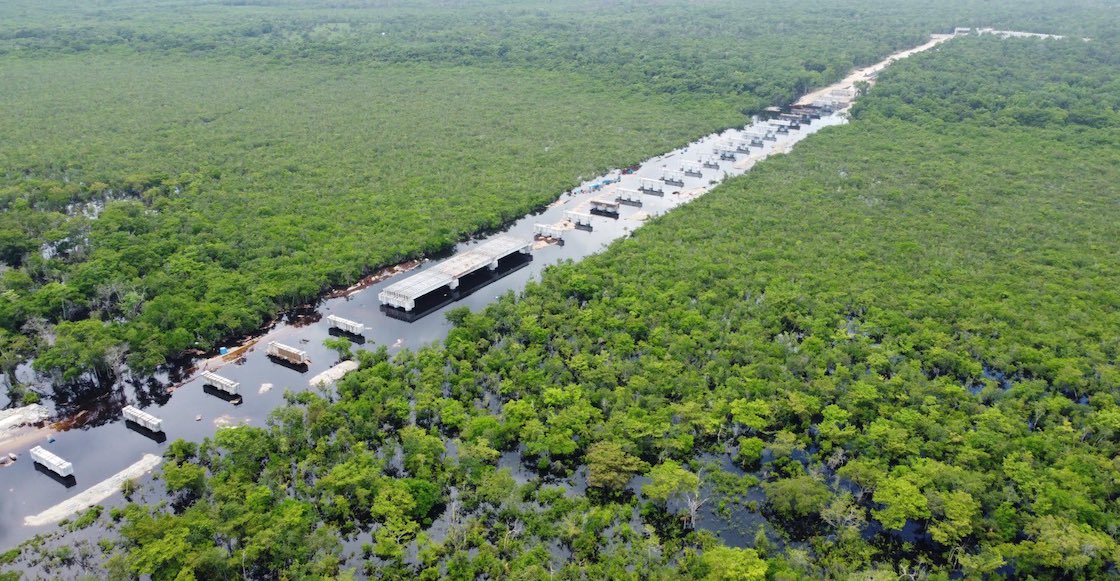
(101, 444)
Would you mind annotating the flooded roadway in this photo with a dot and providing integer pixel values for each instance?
(100, 449)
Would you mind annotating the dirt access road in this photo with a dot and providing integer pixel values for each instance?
(867, 74)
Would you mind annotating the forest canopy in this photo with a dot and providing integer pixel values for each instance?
(175, 174)
(889, 353)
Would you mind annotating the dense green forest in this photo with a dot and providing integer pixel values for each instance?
(893, 350)
(176, 173)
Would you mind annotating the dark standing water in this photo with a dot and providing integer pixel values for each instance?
(101, 449)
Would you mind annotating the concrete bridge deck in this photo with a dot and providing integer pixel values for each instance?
(404, 294)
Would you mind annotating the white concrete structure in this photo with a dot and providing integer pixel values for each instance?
(626, 195)
(710, 162)
(52, 462)
(548, 231)
(691, 168)
(143, 418)
(806, 113)
(650, 186)
(606, 206)
(287, 353)
(780, 126)
(674, 178)
(346, 325)
(741, 145)
(792, 121)
(227, 385)
(721, 146)
(578, 218)
(403, 295)
(826, 105)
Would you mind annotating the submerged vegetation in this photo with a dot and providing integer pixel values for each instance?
(892, 352)
(174, 174)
